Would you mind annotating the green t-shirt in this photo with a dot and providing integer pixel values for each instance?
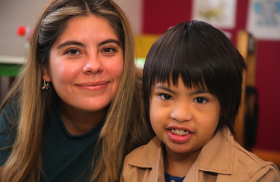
(64, 157)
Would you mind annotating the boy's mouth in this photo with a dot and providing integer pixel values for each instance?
(179, 132)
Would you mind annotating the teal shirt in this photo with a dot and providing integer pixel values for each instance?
(64, 157)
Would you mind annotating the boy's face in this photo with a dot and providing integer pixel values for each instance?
(184, 119)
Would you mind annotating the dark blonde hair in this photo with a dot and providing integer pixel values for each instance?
(202, 56)
(124, 125)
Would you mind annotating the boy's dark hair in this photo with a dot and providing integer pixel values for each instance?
(203, 56)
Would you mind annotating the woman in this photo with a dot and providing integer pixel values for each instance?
(76, 110)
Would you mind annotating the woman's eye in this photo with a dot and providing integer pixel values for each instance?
(73, 51)
(165, 97)
(109, 49)
(200, 100)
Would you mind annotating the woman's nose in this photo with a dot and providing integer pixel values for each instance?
(92, 65)
(181, 112)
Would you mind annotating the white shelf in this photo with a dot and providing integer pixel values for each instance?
(11, 60)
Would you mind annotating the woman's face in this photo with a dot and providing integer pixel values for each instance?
(86, 64)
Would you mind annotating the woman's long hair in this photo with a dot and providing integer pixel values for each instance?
(124, 125)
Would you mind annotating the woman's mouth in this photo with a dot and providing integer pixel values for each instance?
(93, 86)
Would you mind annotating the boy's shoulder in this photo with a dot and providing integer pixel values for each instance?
(231, 162)
(246, 157)
(248, 164)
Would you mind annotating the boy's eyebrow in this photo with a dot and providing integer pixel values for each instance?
(200, 91)
(164, 88)
(71, 43)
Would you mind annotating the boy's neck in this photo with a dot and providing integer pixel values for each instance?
(179, 164)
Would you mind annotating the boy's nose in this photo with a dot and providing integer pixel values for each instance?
(92, 65)
(181, 113)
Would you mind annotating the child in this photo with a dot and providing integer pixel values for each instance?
(192, 89)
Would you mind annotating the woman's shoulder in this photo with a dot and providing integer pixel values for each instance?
(248, 164)
(8, 119)
(9, 115)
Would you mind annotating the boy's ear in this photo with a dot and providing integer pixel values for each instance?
(46, 74)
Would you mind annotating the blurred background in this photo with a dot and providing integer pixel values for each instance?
(252, 25)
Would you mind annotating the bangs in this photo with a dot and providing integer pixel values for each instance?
(169, 58)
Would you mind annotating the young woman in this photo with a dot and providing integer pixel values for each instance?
(192, 82)
(76, 110)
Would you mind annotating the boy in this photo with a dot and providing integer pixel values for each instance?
(192, 89)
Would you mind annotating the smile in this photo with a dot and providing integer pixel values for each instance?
(179, 132)
(179, 135)
(93, 85)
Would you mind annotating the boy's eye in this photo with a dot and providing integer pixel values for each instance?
(73, 51)
(165, 97)
(109, 49)
(200, 100)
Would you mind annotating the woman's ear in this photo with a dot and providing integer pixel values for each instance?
(46, 74)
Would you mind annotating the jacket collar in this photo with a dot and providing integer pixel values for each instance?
(149, 157)
(216, 156)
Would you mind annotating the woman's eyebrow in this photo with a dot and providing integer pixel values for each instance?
(109, 41)
(71, 43)
(83, 45)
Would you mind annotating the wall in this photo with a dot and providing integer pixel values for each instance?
(14, 13)
(159, 15)
(134, 12)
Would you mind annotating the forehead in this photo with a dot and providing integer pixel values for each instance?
(87, 28)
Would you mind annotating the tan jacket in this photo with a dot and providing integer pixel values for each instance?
(220, 160)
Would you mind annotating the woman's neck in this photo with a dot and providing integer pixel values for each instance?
(78, 122)
(179, 164)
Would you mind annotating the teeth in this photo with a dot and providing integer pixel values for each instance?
(179, 132)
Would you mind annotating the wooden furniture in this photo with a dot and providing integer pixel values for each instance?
(143, 44)
(247, 46)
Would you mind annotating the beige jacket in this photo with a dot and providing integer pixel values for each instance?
(220, 160)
